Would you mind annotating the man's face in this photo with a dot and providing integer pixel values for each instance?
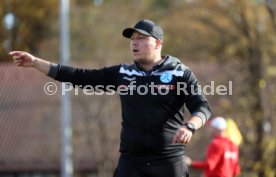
(211, 131)
(142, 47)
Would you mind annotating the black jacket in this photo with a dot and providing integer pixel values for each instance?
(149, 121)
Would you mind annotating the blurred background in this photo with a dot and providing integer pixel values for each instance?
(220, 40)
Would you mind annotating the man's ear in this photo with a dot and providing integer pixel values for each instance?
(158, 44)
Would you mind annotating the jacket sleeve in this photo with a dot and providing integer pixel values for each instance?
(82, 77)
(195, 101)
(214, 153)
(199, 164)
(237, 169)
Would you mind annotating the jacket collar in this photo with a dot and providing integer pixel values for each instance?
(168, 63)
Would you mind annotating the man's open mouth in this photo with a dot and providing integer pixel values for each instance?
(135, 50)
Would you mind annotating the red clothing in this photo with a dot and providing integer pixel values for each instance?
(222, 159)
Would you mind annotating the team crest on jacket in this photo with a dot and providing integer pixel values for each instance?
(166, 78)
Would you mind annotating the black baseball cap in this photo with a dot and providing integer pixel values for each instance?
(146, 27)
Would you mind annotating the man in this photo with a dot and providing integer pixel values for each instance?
(153, 134)
(222, 158)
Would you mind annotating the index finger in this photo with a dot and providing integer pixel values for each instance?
(12, 53)
(176, 136)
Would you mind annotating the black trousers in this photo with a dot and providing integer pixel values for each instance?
(127, 168)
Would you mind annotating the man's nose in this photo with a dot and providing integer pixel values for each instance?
(134, 42)
(134, 45)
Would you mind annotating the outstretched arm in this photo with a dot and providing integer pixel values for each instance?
(24, 59)
(76, 76)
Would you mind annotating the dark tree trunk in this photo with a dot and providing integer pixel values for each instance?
(255, 67)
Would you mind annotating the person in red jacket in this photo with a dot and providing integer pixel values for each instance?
(222, 157)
